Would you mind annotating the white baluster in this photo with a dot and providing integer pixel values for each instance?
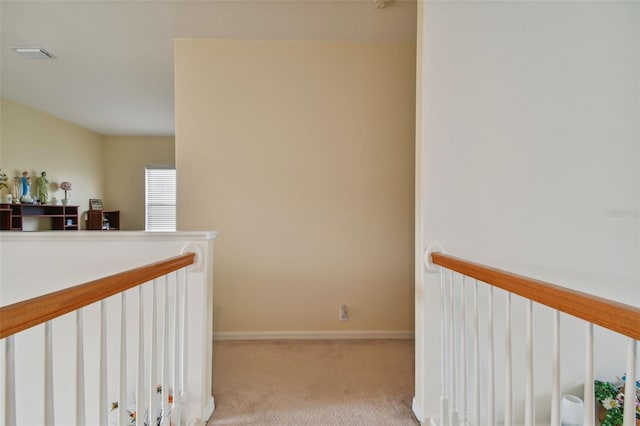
(122, 400)
(153, 357)
(176, 348)
(555, 390)
(463, 350)
(183, 358)
(165, 355)
(508, 372)
(452, 346)
(589, 391)
(630, 384)
(10, 382)
(140, 367)
(48, 374)
(444, 361)
(476, 354)
(491, 359)
(80, 414)
(104, 413)
(529, 415)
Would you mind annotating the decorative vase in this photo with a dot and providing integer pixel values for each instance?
(571, 410)
(7, 198)
(65, 201)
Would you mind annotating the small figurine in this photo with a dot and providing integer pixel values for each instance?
(17, 188)
(43, 188)
(26, 184)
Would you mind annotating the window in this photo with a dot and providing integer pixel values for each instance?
(160, 198)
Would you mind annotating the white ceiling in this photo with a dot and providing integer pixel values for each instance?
(114, 68)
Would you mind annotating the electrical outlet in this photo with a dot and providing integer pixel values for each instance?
(344, 313)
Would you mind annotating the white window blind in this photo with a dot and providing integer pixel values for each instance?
(160, 199)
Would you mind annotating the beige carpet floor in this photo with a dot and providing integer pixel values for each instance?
(354, 382)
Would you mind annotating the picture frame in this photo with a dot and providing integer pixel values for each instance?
(95, 204)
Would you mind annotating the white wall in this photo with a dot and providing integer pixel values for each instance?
(530, 155)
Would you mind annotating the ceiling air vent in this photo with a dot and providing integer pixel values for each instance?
(34, 53)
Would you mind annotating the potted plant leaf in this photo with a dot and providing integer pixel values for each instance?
(612, 401)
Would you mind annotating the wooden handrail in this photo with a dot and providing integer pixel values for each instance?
(29, 313)
(619, 317)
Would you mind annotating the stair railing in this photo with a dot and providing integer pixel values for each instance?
(165, 360)
(462, 404)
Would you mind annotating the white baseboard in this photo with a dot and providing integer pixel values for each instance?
(313, 335)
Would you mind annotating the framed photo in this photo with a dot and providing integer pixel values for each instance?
(95, 204)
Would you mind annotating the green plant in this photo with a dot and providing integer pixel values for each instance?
(611, 398)
(3, 180)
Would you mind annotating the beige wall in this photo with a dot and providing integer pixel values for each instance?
(301, 155)
(125, 158)
(34, 141)
(107, 167)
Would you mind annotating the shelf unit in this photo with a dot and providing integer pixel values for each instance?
(5, 218)
(63, 218)
(103, 220)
